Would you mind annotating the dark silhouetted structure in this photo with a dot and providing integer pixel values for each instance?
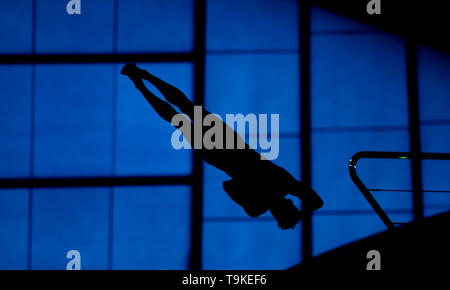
(256, 184)
(419, 247)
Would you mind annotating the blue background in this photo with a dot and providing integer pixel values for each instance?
(86, 120)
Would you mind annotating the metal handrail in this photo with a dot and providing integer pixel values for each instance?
(385, 155)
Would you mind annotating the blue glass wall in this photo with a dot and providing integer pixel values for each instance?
(14, 225)
(155, 26)
(151, 227)
(359, 102)
(142, 137)
(251, 67)
(434, 104)
(66, 219)
(86, 120)
(73, 120)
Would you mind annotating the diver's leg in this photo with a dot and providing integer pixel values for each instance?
(164, 109)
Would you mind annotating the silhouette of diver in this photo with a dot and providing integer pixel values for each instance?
(256, 184)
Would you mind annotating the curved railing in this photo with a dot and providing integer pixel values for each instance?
(386, 155)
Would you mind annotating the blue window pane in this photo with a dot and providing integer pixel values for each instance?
(15, 82)
(15, 26)
(325, 20)
(14, 229)
(252, 24)
(249, 245)
(331, 232)
(258, 84)
(143, 137)
(59, 32)
(155, 26)
(70, 219)
(434, 91)
(358, 81)
(151, 227)
(73, 120)
(330, 159)
(216, 200)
